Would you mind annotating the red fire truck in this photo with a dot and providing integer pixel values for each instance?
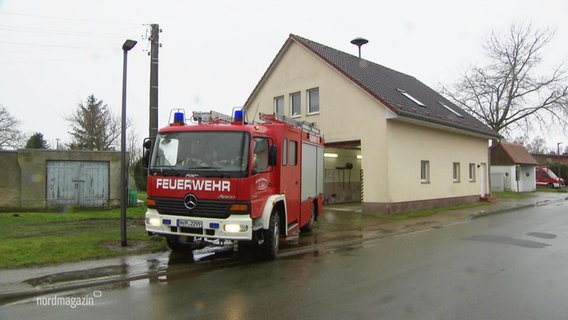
(222, 178)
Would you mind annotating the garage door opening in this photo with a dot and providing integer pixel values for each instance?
(343, 174)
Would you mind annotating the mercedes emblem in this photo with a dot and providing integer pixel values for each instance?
(190, 201)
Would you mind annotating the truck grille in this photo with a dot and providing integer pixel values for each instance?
(204, 208)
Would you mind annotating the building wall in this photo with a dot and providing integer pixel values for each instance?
(10, 184)
(410, 144)
(503, 178)
(28, 175)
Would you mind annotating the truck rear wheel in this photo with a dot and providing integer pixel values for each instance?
(272, 237)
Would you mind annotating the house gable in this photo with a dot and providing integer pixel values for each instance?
(346, 110)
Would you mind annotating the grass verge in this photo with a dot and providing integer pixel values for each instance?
(38, 238)
(430, 212)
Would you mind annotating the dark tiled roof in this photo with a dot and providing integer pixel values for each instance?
(384, 84)
(516, 153)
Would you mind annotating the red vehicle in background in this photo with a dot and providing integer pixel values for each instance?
(223, 179)
(546, 178)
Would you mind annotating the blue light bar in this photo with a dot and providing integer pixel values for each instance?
(167, 221)
(238, 115)
(179, 118)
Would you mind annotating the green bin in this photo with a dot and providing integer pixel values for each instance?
(132, 198)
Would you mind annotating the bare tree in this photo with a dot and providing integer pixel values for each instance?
(507, 93)
(535, 146)
(10, 136)
(94, 127)
(133, 146)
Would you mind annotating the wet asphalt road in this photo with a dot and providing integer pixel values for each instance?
(505, 266)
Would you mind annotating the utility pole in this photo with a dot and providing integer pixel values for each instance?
(154, 46)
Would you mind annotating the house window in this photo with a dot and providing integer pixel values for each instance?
(472, 172)
(450, 109)
(406, 94)
(313, 101)
(425, 171)
(295, 104)
(456, 172)
(279, 105)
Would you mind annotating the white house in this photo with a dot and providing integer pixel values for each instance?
(392, 142)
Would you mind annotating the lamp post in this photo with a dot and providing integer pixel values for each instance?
(128, 44)
(558, 154)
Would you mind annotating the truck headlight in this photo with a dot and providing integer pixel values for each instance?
(154, 222)
(235, 228)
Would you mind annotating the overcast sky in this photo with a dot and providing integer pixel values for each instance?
(54, 54)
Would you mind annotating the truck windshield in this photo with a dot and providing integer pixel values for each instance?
(201, 153)
(552, 174)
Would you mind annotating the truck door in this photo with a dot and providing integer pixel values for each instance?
(290, 183)
(262, 173)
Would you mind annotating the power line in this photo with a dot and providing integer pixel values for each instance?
(67, 19)
(18, 29)
(45, 45)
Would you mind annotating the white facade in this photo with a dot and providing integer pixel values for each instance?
(514, 178)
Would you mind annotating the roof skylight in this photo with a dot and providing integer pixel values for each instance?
(406, 94)
(450, 109)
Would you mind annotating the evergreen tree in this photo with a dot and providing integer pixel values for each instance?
(94, 127)
(36, 141)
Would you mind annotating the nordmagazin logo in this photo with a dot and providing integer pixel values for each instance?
(67, 301)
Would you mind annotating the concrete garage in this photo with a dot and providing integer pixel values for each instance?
(38, 179)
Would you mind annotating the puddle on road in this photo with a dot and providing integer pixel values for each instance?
(542, 235)
(511, 241)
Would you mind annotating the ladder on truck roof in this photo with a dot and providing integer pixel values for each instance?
(304, 125)
(211, 117)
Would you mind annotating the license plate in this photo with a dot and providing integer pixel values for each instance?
(189, 223)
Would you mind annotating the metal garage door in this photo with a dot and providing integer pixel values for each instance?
(77, 183)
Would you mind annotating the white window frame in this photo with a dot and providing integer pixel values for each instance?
(411, 98)
(424, 171)
(309, 97)
(472, 172)
(450, 109)
(292, 104)
(276, 105)
(456, 175)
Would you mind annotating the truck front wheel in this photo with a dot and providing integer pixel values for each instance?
(272, 236)
(177, 243)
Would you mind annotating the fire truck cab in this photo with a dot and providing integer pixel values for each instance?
(222, 178)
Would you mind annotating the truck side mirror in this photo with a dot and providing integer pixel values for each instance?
(147, 147)
(272, 155)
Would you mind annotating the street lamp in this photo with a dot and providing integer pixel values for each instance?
(558, 154)
(128, 44)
